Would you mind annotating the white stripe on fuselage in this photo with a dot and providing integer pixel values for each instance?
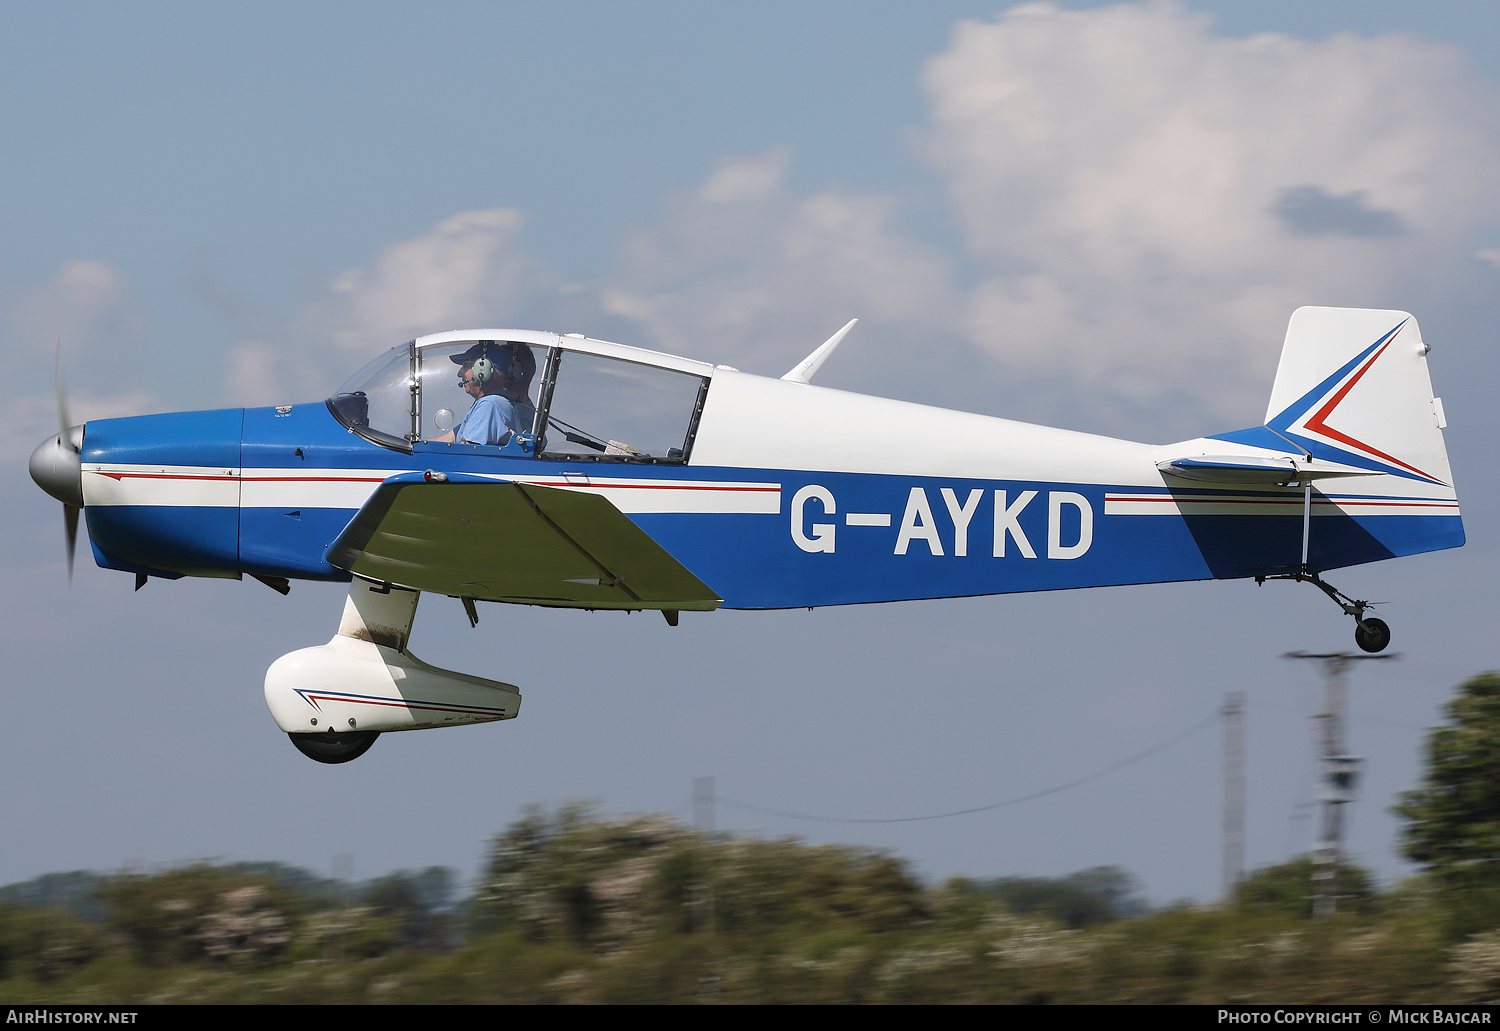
(1283, 504)
(215, 487)
(174, 486)
(685, 496)
(310, 488)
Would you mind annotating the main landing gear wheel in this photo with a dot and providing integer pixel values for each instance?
(328, 747)
(1372, 634)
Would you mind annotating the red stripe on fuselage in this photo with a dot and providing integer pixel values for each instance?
(252, 479)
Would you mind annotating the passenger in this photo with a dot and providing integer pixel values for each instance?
(518, 386)
(484, 372)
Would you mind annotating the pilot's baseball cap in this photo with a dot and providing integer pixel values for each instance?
(494, 349)
(483, 349)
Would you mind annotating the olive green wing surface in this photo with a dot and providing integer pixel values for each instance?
(497, 540)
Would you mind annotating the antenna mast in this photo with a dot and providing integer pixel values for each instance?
(1234, 791)
(1340, 773)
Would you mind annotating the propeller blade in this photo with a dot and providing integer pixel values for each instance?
(70, 523)
(70, 512)
(64, 425)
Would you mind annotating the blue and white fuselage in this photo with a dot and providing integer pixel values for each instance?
(793, 495)
(774, 493)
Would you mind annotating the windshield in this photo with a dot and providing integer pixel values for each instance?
(378, 401)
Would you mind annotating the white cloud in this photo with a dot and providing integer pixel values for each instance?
(463, 271)
(470, 269)
(741, 266)
(1150, 197)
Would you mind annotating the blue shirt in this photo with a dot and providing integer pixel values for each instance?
(491, 418)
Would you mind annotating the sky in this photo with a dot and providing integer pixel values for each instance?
(1086, 215)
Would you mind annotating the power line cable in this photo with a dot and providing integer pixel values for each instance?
(1137, 757)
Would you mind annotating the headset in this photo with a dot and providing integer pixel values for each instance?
(505, 363)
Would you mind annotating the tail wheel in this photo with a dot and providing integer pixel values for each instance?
(329, 747)
(1371, 634)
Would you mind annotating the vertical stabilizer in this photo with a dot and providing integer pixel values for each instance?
(1352, 387)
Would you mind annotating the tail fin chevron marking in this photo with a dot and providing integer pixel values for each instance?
(1323, 401)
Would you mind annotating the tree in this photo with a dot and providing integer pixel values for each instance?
(1118, 888)
(1093, 896)
(1287, 888)
(579, 878)
(1453, 819)
(45, 941)
(200, 912)
(419, 902)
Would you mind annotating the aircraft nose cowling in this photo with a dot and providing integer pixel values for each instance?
(163, 492)
(57, 469)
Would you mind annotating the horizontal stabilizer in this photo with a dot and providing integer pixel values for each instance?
(495, 540)
(1285, 468)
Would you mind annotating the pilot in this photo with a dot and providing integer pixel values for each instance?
(485, 372)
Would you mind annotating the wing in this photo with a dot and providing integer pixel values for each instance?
(497, 540)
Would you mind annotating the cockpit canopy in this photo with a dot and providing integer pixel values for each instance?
(582, 399)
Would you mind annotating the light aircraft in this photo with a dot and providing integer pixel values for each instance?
(636, 480)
